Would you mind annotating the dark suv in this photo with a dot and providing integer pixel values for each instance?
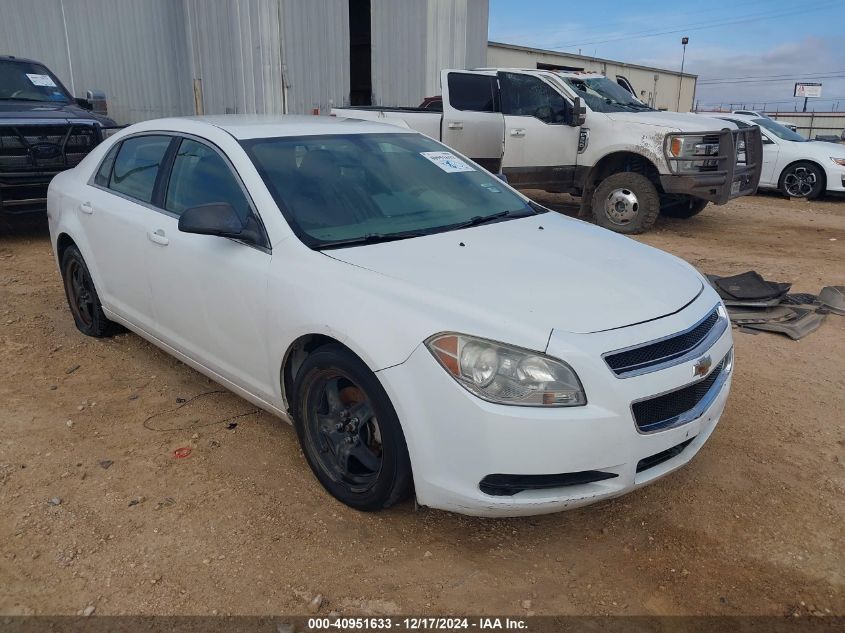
(43, 130)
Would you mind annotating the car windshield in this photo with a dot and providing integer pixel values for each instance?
(603, 95)
(26, 81)
(345, 190)
(779, 130)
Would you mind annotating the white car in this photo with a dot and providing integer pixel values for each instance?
(424, 326)
(799, 168)
(763, 115)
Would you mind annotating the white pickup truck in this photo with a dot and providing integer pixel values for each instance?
(583, 134)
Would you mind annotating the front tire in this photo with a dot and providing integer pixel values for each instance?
(349, 431)
(82, 296)
(626, 202)
(802, 180)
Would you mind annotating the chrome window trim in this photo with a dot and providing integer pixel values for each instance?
(699, 409)
(706, 343)
(184, 135)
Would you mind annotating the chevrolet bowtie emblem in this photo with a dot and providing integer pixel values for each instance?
(702, 366)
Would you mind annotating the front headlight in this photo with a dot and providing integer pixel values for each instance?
(505, 374)
(110, 131)
(688, 153)
(838, 161)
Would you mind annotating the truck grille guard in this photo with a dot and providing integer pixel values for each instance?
(733, 172)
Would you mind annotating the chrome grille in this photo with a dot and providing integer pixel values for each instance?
(657, 354)
(662, 411)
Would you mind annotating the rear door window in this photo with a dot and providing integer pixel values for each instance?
(137, 165)
(104, 172)
(476, 93)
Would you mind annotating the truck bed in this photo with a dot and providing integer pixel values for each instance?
(424, 121)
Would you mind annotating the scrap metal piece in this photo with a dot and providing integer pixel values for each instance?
(806, 322)
(833, 299)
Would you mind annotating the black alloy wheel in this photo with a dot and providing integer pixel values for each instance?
(349, 431)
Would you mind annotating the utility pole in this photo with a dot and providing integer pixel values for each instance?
(684, 42)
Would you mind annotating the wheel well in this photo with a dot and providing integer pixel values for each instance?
(811, 162)
(62, 245)
(296, 354)
(621, 162)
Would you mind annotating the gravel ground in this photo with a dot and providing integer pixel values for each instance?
(95, 511)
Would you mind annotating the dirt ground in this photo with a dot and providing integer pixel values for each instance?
(753, 525)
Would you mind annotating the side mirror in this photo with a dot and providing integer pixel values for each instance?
(95, 101)
(218, 218)
(579, 113)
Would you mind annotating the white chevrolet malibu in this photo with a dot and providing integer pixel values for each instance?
(424, 327)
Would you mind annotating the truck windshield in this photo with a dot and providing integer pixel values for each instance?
(26, 81)
(603, 95)
(353, 189)
(779, 130)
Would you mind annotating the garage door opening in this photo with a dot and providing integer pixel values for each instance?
(360, 53)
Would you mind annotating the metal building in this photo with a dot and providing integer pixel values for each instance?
(656, 86)
(157, 58)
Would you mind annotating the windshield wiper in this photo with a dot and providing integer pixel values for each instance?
(487, 219)
(370, 238)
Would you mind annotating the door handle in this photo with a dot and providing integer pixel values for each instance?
(518, 132)
(86, 208)
(456, 125)
(158, 237)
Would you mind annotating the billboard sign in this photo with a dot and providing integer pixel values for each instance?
(808, 90)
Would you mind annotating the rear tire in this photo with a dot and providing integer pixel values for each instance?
(349, 431)
(802, 180)
(626, 202)
(683, 208)
(82, 297)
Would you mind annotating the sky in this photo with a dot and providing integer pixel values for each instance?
(749, 52)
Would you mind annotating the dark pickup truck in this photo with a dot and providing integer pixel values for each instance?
(43, 130)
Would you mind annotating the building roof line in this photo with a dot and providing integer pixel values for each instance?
(588, 58)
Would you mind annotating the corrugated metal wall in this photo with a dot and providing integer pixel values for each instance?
(316, 49)
(134, 51)
(399, 43)
(250, 56)
(236, 54)
(414, 40)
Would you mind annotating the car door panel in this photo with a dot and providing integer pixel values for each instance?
(471, 123)
(208, 292)
(771, 168)
(115, 224)
(541, 149)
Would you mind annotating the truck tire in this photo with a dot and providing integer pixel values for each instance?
(683, 208)
(626, 202)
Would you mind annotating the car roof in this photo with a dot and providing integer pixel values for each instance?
(250, 126)
(14, 58)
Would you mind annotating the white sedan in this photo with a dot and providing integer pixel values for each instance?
(426, 328)
(799, 168)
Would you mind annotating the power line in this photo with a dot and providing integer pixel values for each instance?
(693, 27)
(760, 81)
(809, 75)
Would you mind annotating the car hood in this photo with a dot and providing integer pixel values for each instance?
(678, 121)
(58, 112)
(545, 271)
(822, 150)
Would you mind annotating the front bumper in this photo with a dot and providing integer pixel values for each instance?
(456, 440)
(737, 172)
(24, 193)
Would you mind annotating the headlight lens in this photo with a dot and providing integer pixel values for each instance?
(838, 161)
(505, 374)
(688, 153)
